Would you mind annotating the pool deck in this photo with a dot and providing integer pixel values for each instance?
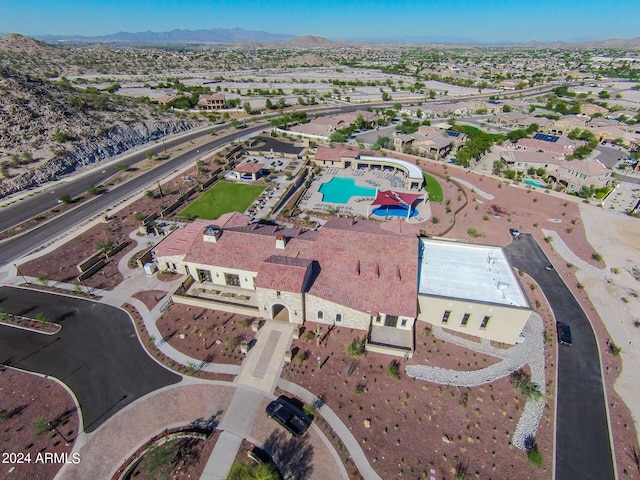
(313, 201)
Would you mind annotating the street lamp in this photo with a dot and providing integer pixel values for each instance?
(52, 425)
(20, 273)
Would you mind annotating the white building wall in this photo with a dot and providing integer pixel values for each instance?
(505, 323)
(218, 274)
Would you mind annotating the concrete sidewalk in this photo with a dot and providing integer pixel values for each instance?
(260, 371)
(265, 360)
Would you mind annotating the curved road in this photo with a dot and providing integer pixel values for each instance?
(97, 353)
(583, 444)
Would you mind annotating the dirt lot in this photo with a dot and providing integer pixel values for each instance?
(415, 425)
(209, 335)
(27, 403)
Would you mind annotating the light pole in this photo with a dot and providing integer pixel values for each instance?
(52, 425)
(20, 273)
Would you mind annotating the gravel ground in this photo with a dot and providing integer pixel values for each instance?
(530, 352)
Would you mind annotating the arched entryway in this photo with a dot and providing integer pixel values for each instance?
(280, 312)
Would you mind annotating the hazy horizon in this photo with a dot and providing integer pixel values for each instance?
(478, 21)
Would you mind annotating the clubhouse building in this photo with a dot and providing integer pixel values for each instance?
(378, 277)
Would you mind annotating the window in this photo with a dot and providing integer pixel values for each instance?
(484, 323)
(320, 315)
(465, 319)
(203, 275)
(445, 317)
(277, 294)
(338, 317)
(391, 321)
(403, 323)
(232, 279)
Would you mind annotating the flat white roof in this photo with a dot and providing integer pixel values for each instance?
(470, 272)
(413, 172)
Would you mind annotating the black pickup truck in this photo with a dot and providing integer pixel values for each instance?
(289, 416)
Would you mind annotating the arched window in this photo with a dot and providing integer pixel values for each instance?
(338, 317)
(320, 315)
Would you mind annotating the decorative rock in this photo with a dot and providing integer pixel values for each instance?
(218, 342)
(446, 439)
(244, 347)
(182, 336)
(367, 423)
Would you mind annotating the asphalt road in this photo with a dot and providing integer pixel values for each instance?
(15, 247)
(583, 448)
(97, 353)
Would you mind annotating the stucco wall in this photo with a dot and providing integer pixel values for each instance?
(505, 325)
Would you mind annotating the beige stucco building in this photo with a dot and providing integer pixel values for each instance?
(377, 277)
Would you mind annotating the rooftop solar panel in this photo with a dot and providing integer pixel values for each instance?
(452, 133)
(546, 138)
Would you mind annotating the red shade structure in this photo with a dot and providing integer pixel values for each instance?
(389, 198)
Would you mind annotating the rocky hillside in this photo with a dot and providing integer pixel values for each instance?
(50, 128)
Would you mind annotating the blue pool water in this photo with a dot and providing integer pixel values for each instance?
(393, 211)
(534, 183)
(340, 190)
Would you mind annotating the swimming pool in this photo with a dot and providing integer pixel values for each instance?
(534, 183)
(340, 190)
(394, 211)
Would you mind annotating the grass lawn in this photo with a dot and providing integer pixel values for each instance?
(222, 198)
(434, 189)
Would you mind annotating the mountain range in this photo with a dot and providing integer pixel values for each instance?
(176, 37)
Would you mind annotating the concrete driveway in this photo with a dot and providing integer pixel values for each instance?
(97, 353)
(583, 448)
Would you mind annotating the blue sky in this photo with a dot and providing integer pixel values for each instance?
(479, 20)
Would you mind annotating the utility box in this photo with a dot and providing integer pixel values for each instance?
(150, 268)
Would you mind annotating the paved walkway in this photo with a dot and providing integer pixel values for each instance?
(256, 380)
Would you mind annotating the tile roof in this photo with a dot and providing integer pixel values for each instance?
(249, 167)
(385, 254)
(282, 273)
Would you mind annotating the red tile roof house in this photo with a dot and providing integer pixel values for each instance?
(249, 169)
(358, 274)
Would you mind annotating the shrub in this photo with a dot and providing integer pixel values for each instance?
(40, 426)
(614, 349)
(393, 369)
(522, 383)
(474, 232)
(310, 409)
(535, 457)
(356, 347)
(597, 257)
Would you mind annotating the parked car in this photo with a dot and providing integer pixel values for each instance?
(514, 233)
(564, 334)
(548, 268)
(289, 416)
